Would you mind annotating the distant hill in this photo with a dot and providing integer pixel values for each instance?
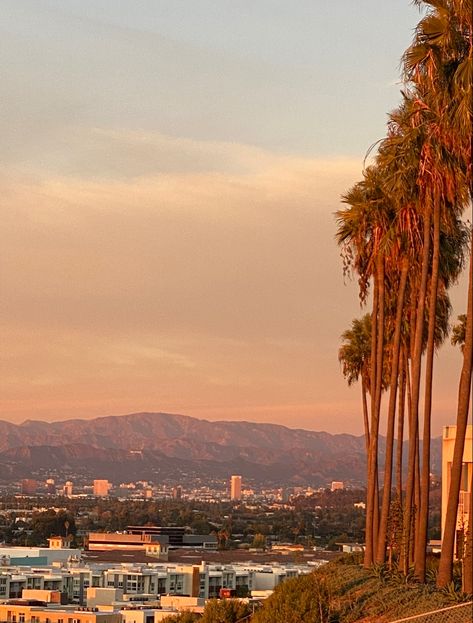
(147, 445)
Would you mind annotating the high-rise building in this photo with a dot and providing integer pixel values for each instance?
(50, 486)
(235, 487)
(177, 492)
(68, 489)
(101, 488)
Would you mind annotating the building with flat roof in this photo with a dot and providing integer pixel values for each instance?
(31, 612)
(152, 544)
(235, 487)
(175, 534)
(448, 443)
(102, 488)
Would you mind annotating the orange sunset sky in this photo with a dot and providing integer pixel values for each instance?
(169, 183)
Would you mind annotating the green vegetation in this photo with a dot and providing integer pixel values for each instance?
(339, 592)
(216, 611)
(318, 519)
(344, 592)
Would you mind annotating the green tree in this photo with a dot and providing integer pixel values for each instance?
(225, 611)
(299, 600)
(459, 332)
(259, 541)
(354, 355)
(182, 617)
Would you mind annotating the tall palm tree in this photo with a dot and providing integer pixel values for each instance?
(439, 66)
(362, 228)
(355, 357)
(403, 380)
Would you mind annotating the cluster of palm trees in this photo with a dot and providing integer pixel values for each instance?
(403, 232)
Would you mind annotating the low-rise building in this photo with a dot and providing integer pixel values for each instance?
(103, 585)
(154, 545)
(448, 444)
(30, 611)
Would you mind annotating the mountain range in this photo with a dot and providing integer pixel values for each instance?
(161, 446)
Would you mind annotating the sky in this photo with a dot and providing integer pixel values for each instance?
(170, 173)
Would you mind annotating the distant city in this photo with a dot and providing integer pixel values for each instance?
(233, 489)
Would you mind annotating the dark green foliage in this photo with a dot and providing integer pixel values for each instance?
(344, 591)
(182, 617)
(301, 600)
(216, 611)
(50, 523)
(225, 611)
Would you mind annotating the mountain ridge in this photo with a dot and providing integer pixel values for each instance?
(166, 442)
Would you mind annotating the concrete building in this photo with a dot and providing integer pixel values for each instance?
(68, 489)
(337, 485)
(97, 585)
(36, 555)
(30, 612)
(448, 443)
(102, 488)
(175, 534)
(235, 488)
(153, 544)
(200, 541)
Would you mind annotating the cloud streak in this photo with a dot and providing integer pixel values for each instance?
(211, 287)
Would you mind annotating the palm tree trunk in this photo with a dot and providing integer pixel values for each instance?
(415, 523)
(377, 344)
(422, 535)
(404, 556)
(448, 540)
(467, 583)
(400, 425)
(370, 477)
(365, 413)
(415, 390)
(388, 464)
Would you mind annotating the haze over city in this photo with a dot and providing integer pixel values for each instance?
(168, 193)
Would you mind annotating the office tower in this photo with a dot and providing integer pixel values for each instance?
(235, 488)
(101, 488)
(68, 489)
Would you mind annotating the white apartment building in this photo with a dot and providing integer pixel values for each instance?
(144, 583)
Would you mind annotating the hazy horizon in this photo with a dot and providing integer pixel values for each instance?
(241, 421)
(169, 186)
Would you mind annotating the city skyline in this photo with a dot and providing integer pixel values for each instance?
(169, 191)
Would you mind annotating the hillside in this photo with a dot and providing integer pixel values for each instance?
(343, 591)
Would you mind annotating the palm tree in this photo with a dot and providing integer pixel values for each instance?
(439, 66)
(355, 356)
(362, 228)
(396, 341)
(459, 332)
(403, 381)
